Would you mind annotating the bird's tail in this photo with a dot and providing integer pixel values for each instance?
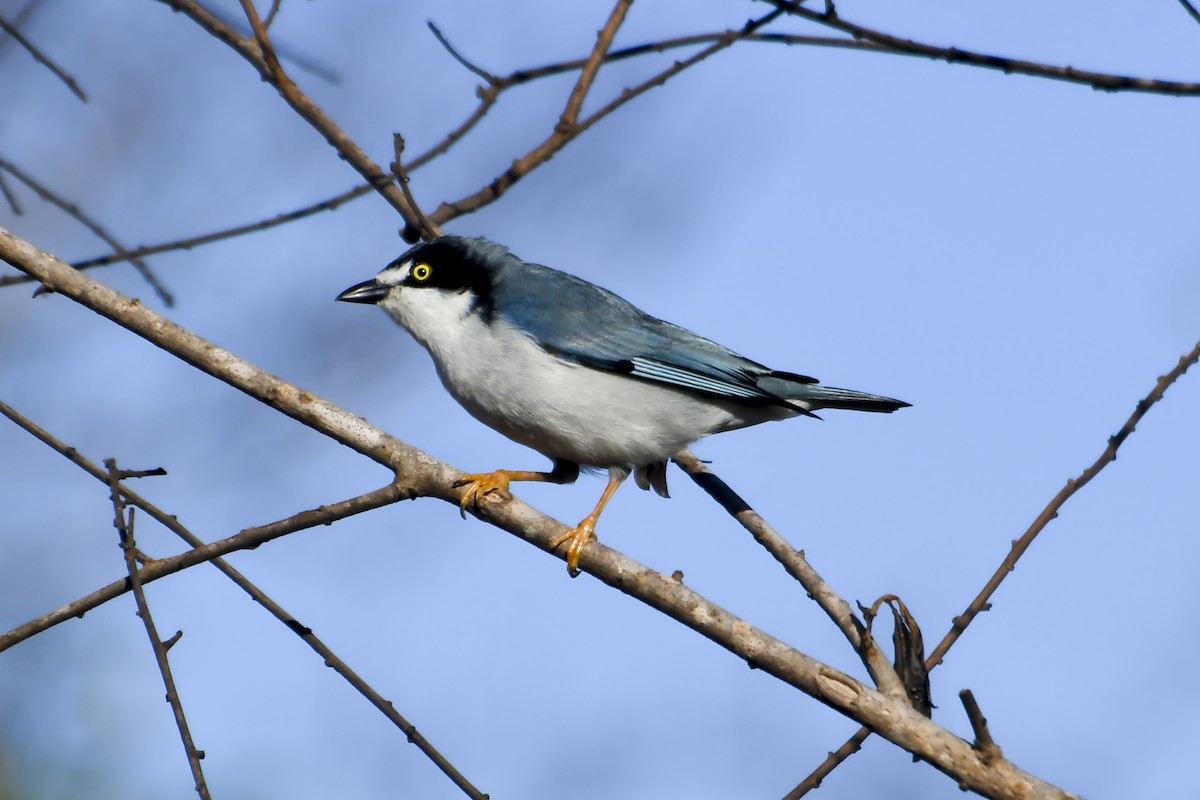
(812, 396)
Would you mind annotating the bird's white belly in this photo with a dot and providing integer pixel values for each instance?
(569, 411)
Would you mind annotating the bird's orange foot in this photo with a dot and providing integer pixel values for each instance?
(480, 484)
(577, 538)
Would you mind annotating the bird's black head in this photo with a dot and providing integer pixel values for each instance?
(450, 263)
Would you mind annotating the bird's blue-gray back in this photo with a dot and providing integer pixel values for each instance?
(609, 333)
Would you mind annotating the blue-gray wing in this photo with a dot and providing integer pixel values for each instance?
(583, 323)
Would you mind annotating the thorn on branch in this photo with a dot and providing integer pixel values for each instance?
(169, 643)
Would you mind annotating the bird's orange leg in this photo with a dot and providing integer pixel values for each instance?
(585, 531)
(480, 484)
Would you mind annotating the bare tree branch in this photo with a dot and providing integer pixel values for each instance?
(91, 225)
(418, 474)
(954, 55)
(797, 566)
(262, 57)
(425, 229)
(9, 197)
(587, 76)
(1019, 546)
(557, 140)
(38, 56)
(330, 658)
(129, 550)
(457, 56)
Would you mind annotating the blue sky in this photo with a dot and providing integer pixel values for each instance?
(1017, 258)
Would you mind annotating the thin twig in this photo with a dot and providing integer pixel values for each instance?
(129, 549)
(797, 566)
(1019, 546)
(23, 16)
(271, 14)
(38, 56)
(9, 197)
(328, 656)
(261, 55)
(954, 55)
(547, 149)
(831, 762)
(488, 98)
(1191, 9)
(425, 229)
(1050, 512)
(457, 56)
(247, 539)
(587, 76)
(328, 204)
(91, 225)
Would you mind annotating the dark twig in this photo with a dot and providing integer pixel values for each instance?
(1019, 546)
(487, 99)
(187, 244)
(1050, 512)
(91, 225)
(797, 566)
(261, 55)
(9, 197)
(59, 73)
(23, 16)
(1191, 9)
(954, 55)
(989, 751)
(328, 656)
(526, 75)
(129, 548)
(247, 539)
(560, 138)
(457, 56)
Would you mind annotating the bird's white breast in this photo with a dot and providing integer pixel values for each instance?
(559, 408)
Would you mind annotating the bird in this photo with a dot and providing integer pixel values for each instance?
(576, 372)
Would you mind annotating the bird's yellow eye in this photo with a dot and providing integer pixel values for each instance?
(421, 272)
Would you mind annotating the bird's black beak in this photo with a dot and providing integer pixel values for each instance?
(371, 291)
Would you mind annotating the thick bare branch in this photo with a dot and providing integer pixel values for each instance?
(420, 474)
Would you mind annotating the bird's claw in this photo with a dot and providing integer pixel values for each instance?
(479, 485)
(577, 538)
